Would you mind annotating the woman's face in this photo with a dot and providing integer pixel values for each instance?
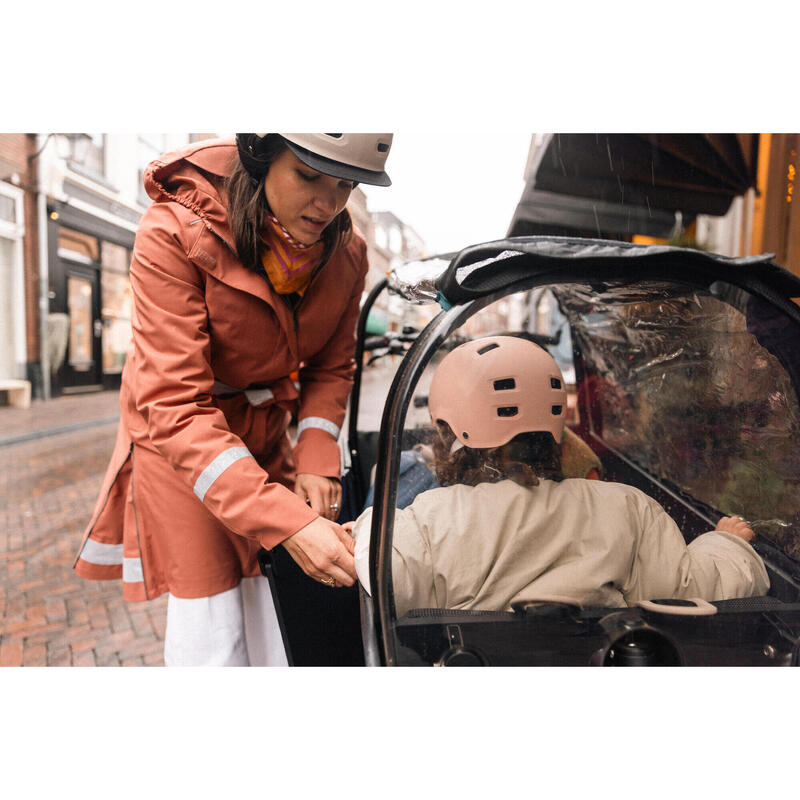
(304, 201)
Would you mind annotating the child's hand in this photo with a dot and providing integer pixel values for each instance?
(346, 538)
(737, 526)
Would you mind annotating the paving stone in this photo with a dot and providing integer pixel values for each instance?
(48, 488)
(56, 610)
(83, 659)
(11, 654)
(141, 623)
(105, 658)
(35, 655)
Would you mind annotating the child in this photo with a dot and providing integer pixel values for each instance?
(505, 526)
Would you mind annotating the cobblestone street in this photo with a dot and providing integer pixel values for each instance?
(48, 487)
(55, 454)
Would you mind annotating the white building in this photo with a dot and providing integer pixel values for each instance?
(94, 201)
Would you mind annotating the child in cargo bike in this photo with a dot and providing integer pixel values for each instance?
(505, 526)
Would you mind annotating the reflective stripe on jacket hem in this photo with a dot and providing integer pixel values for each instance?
(318, 422)
(132, 570)
(107, 555)
(217, 467)
(103, 554)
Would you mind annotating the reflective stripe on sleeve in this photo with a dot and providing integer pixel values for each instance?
(217, 467)
(98, 553)
(132, 570)
(318, 422)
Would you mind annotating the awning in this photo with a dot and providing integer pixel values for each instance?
(543, 213)
(641, 177)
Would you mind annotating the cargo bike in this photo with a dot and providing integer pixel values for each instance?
(683, 377)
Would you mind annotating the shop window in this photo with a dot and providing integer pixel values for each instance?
(115, 257)
(88, 153)
(117, 301)
(7, 293)
(12, 298)
(78, 246)
(8, 209)
(79, 300)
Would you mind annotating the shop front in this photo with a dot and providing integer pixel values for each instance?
(89, 324)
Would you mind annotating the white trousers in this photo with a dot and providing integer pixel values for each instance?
(237, 628)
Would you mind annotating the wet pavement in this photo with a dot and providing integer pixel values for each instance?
(54, 457)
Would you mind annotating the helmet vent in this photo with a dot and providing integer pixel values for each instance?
(507, 411)
(556, 410)
(488, 347)
(382, 148)
(555, 383)
(504, 384)
(334, 135)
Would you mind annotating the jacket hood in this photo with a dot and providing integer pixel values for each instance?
(192, 176)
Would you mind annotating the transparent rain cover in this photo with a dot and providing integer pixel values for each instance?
(415, 281)
(698, 388)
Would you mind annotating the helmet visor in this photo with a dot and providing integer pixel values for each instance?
(336, 169)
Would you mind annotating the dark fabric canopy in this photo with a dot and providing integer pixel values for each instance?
(649, 176)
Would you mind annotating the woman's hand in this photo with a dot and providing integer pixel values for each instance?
(737, 526)
(324, 552)
(324, 495)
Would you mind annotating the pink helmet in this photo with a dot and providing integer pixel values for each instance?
(491, 389)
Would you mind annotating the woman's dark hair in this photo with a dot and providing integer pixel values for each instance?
(525, 459)
(247, 201)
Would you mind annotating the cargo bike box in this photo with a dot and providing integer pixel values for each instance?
(683, 375)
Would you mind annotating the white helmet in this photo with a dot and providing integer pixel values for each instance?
(356, 157)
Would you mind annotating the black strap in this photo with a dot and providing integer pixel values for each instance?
(735, 606)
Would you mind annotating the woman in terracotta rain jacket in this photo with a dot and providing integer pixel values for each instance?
(245, 270)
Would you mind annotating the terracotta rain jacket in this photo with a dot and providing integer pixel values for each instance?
(202, 471)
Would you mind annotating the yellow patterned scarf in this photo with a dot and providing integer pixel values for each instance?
(288, 263)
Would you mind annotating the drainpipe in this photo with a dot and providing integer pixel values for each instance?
(44, 280)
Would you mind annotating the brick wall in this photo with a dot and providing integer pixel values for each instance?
(13, 154)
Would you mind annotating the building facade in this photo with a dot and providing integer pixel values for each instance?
(733, 194)
(70, 205)
(69, 208)
(18, 254)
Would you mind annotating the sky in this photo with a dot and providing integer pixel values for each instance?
(454, 188)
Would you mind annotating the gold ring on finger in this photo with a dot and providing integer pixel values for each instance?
(328, 581)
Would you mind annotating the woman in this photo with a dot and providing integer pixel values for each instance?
(506, 527)
(245, 271)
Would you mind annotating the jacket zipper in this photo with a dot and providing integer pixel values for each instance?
(296, 306)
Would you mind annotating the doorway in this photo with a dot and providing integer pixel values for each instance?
(82, 369)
